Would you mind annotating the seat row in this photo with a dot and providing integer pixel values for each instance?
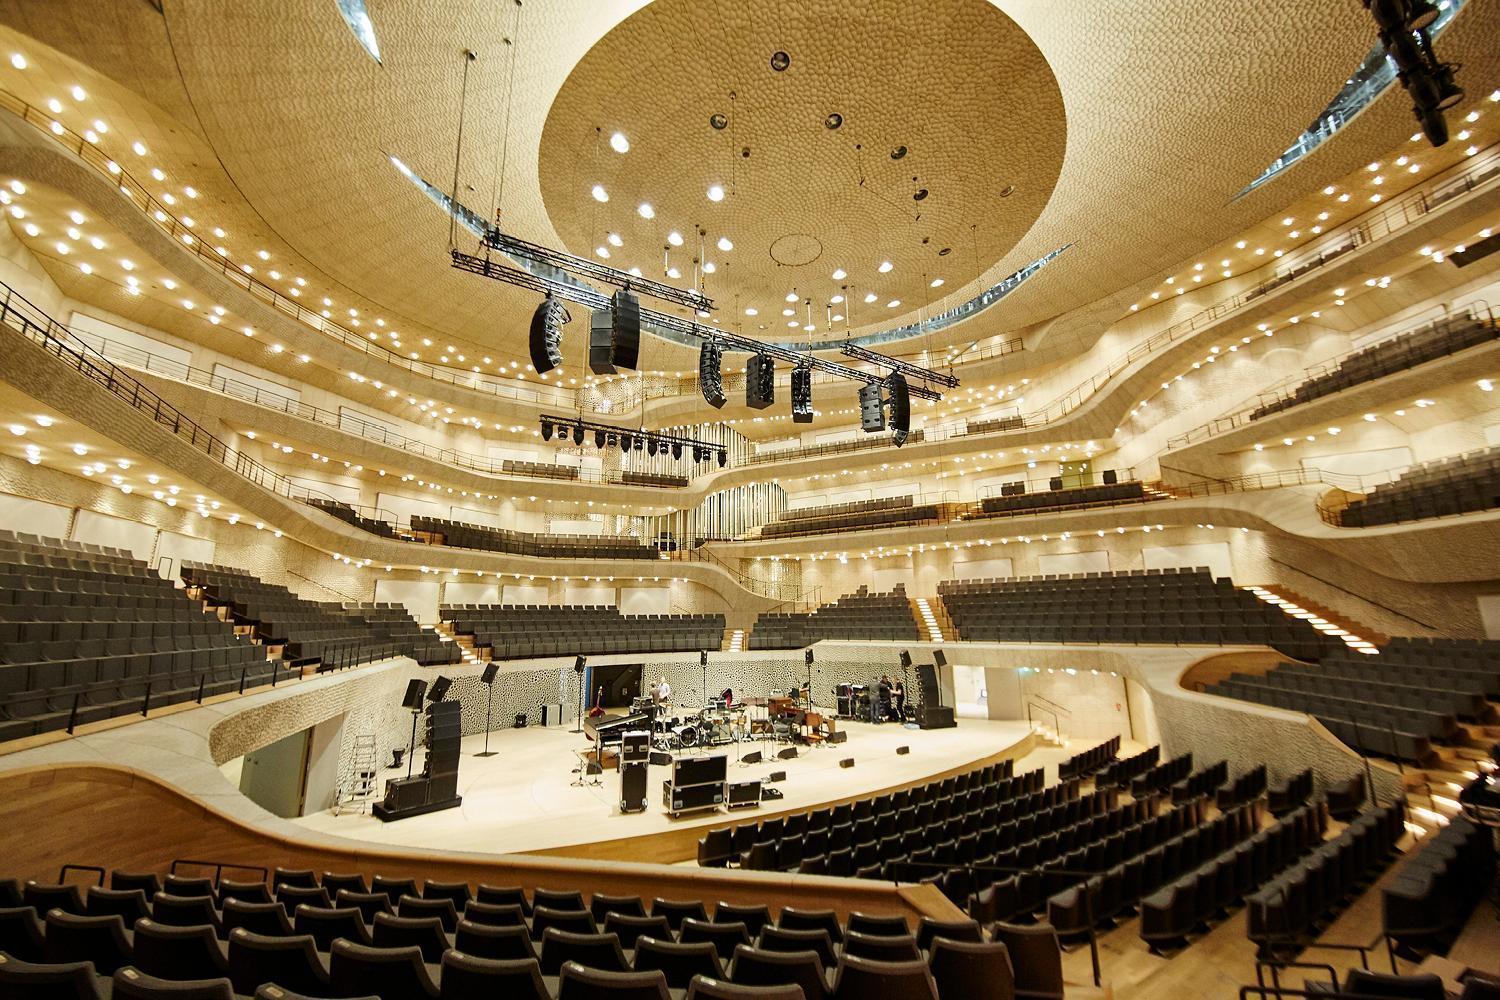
(1120, 773)
(1429, 900)
(861, 615)
(1081, 765)
(437, 531)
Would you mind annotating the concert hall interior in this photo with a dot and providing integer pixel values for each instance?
(997, 499)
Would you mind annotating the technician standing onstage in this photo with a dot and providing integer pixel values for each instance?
(898, 699)
(661, 693)
(883, 701)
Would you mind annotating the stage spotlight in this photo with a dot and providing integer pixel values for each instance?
(710, 374)
(578, 434)
(760, 381)
(871, 413)
(1450, 94)
(802, 412)
(723, 458)
(899, 400)
(640, 443)
(546, 334)
(676, 449)
(651, 447)
(598, 439)
(546, 431)
(625, 329)
(624, 442)
(1434, 125)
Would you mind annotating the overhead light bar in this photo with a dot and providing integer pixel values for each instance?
(695, 300)
(859, 353)
(632, 438)
(591, 299)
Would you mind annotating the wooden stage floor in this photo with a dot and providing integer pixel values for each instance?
(523, 800)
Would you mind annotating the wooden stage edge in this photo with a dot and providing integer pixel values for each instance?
(678, 845)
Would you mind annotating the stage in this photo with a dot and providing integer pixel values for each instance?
(522, 800)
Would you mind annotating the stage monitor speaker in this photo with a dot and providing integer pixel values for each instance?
(871, 413)
(776, 776)
(601, 340)
(753, 757)
(546, 334)
(787, 753)
(847, 762)
(802, 408)
(898, 397)
(1111, 477)
(711, 374)
(1055, 483)
(490, 670)
(659, 759)
(760, 381)
(520, 720)
(902, 751)
(936, 717)
(416, 690)
(938, 658)
(632, 786)
(838, 736)
(625, 330)
(439, 689)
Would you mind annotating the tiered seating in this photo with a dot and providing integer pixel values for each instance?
(1455, 485)
(344, 512)
(1295, 791)
(1246, 788)
(436, 531)
(1010, 423)
(309, 632)
(1376, 704)
(653, 479)
(1428, 902)
(1081, 765)
(394, 621)
(1435, 340)
(514, 631)
(1120, 773)
(1455, 661)
(89, 633)
(1203, 782)
(891, 512)
(1162, 776)
(861, 615)
(539, 470)
(1284, 914)
(835, 448)
(339, 936)
(1165, 606)
(1021, 502)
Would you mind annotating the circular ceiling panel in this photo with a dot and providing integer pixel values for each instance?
(885, 138)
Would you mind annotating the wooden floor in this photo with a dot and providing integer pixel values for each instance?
(523, 799)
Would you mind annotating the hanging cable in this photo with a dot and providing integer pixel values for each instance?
(458, 149)
(514, 41)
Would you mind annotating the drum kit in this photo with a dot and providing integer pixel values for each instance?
(714, 725)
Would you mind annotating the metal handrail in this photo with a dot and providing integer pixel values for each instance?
(1056, 722)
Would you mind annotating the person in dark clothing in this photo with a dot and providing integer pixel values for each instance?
(898, 699)
(883, 701)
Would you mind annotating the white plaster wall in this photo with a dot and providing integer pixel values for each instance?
(420, 597)
(34, 517)
(101, 529)
(1095, 561)
(1214, 555)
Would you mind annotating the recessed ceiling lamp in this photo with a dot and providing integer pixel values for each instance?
(833, 121)
(674, 238)
(791, 296)
(780, 61)
(646, 211)
(599, 193)
(937, 283)
(614, 240)
(715, 192)
(839, 275)
(724, 244)
(619, 143)
(885, 266)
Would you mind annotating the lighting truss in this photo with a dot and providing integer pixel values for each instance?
(496, 240)
(577, 427)
(595, 300)
(948, 381)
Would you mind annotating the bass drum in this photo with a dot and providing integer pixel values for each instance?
(687, 735)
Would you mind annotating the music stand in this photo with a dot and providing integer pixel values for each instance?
(488, 680)
(578, 665)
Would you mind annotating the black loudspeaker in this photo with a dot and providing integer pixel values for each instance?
(838, 736)
(777, 776)
(488, 677)
(1055, 483)
(439, 689)
(807, 657)
(601, 339)
(787, 753)
(938, 658)
(578, 662)
(710, 374)
(902, 751)
(936, 717)
(546, 334)
(871, 414)
(520, 720)
(625, 329)
(906, 659)
(847, 762)
(802, 412)
(1111, 477)
(760, 381)
(416, 690)
(632, 786)
(659, 759)
(927, 685)
(899, 399)
(753, 757)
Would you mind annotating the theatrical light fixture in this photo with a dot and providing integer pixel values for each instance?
(899, 401)
(546, 334)
(710, 374)
(802, 411)
(760, 381)
(631, 438)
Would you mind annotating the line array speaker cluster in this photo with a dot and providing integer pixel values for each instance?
(760, 381)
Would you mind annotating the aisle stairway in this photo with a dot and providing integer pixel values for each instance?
(929, 614)
(1356, 636)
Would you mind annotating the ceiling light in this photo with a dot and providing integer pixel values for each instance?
(839, 274)
(869, 296)
(708, 268)
(17, 60)
(599, 193)
(725, 245)
(836, 300)
(614, 240)
(937, 283)
(78, 93)
(645, 211)
(893, 303)
(752, 311)
(885, 266)
(619, 143)
(674, 238)
(788, 312)
(673, 273)
(715, 193)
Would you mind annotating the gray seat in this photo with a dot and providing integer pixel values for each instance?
(466, 977)
(579, 983)
(29, 980)
(101, 940)
(389, 973)
(132, 984)
(292, 962)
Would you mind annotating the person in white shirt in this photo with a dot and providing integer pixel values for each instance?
(663, 693)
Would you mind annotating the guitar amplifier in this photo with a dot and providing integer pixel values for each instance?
(688, 798)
